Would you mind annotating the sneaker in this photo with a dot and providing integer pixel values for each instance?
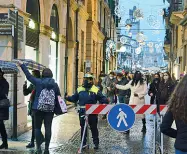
(30, 145)
(96, 147)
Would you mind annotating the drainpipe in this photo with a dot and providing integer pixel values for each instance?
(77, 51)
(66, 49)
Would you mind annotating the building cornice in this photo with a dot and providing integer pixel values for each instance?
(96, 28)
(83, 13)
(176, 17)
(62, 38)
(46, 30)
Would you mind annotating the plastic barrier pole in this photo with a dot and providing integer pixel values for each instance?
(84, 132)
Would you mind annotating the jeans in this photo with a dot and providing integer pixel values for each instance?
(111, 99)
(3, 132)
(122, 99)
(92, 121)
(33, 130)
(179, 152)
(39, 117)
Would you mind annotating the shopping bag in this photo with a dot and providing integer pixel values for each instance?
(60, 106)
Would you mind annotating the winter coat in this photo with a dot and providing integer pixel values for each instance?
(154, 88)
(141, 90)
(107, 82)
(165, 91)
(119, 92)
(4, 89)
(40, 84)
(180, 134)
(87, 96)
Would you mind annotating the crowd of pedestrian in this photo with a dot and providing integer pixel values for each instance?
(113, 88)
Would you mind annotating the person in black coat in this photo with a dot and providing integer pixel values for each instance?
(154, 87)
(4, 112)
(166, 88)
(27, 91)
(177, 111)
(123, 95)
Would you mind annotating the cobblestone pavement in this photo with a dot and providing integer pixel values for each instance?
(66, 138)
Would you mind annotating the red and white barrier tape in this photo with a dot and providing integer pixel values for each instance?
(138, 109)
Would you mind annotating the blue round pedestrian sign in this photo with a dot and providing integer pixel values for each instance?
(121, 117)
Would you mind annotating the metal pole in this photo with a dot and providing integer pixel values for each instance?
(154, 135)
(66, 50)
(162, 138)
(77, 51)
(14, 136)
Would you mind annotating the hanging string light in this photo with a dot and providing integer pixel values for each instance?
(123, 39)
(138, 14)
(138, 50)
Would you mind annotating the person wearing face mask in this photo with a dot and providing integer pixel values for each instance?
(166, 87)
(154, 87)
(123, 95)
(108, 87)
(138, 89)
(88, 93)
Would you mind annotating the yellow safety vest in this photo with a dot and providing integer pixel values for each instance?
(94, 89)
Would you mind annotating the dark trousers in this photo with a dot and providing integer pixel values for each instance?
(33, 130)
(3, 132)
(39, 117)
(92, 121)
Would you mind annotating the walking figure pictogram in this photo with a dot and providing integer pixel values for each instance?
(122, 116)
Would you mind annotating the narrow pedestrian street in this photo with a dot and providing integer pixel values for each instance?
(66, 138)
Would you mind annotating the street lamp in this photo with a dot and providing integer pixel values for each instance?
(32, 24)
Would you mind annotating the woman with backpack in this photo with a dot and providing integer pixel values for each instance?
(46, 96)
(177, 111)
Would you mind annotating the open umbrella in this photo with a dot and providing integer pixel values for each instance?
(30, 64)
(8, 67)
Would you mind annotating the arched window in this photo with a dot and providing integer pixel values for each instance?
(32, 30)
(54, 22)
(33, 8)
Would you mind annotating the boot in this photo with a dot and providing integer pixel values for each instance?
(46, 152)
(96, 146)
(4, 146)
(30, 145)
(144, 126)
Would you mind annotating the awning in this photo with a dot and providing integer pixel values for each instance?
(8, 67)
(32, 65)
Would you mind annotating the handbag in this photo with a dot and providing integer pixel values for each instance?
(4, 103)
(60, 106)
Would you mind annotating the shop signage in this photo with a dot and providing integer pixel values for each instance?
(12, 20)
(5, 29)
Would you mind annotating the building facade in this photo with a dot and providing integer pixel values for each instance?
(175, 39)
(45, 42)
